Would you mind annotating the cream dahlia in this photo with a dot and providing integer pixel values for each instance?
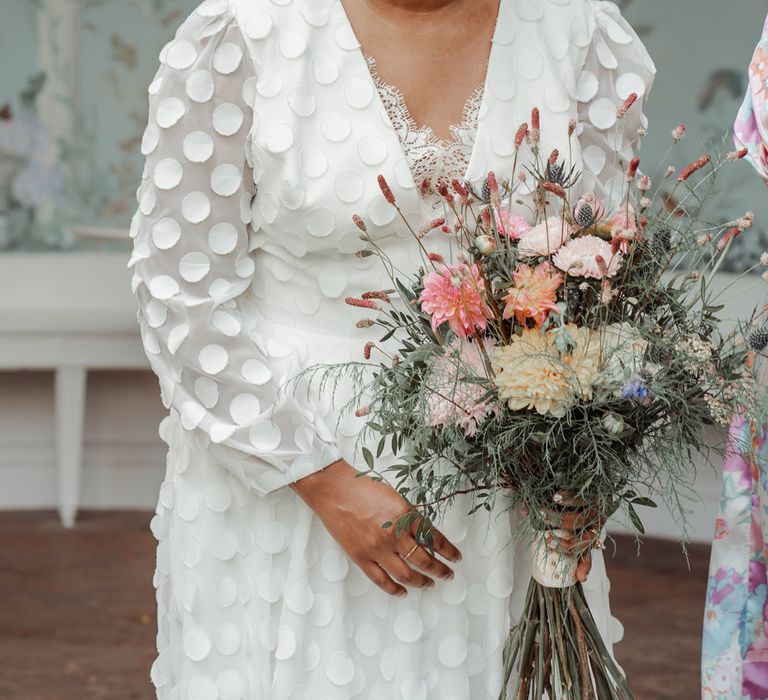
(544, 238)
(455, 295)
(584, 256)
(531, 373)
(534, 294)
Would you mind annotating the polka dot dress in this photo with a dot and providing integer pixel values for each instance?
(265, 135)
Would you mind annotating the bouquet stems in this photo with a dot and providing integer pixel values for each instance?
(556, 650)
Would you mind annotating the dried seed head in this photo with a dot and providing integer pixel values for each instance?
(689, 170)
(631, 98)
(386, 190)
(737, 155)
(535, 119)
(382, 296)
(522, 132)
(362, 303)
(459, 188)
(554, 188)
(535, 134)
(359, 222)
(678, 133)
(429, 226)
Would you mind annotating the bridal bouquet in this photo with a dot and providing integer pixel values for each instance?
(567, 358)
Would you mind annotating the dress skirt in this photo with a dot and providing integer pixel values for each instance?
(257, 601)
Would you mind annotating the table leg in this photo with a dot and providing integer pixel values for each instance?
(70, 414)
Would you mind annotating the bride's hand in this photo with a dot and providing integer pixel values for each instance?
(576, 535)
(353, 509)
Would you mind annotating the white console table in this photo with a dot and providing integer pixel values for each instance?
(68, 312)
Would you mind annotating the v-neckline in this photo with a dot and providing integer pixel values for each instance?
(360, 57)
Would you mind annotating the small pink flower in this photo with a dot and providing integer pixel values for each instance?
(455, 295)
(584, 256)
(544, 238)
(623, 228)
(510, 225)
(455, 396)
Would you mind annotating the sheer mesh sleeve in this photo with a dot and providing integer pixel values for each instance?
(616, 65)
(193, 267)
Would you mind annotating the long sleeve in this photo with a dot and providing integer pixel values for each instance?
(193, 263)
(616, 64)
(750, 130)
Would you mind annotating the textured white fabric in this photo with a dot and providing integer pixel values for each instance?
(265, 134)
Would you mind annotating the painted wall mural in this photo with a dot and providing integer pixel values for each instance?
(67, 188)
(72, 112)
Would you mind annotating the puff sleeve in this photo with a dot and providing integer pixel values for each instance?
(616, 64)
(193, 266)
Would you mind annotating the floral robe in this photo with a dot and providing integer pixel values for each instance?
(735, 635)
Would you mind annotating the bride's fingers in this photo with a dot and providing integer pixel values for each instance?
(401, 571)
(424, 560)
(573, 520)
(382, 579)
(568, 541)
(441, 544)
(584, 566)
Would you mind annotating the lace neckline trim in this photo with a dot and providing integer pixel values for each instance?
(428, 154)
(397, 99)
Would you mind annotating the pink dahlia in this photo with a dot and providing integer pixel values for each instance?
(455, 294)
(544, 238)
(534, 294)
(585, 256)
(455, 396)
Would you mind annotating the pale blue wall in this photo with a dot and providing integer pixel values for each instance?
(689, 40)
(18, 46)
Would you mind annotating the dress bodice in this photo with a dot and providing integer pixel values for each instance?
(266, 134)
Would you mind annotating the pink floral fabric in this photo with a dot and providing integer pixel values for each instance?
(735, 634)
(750, 130)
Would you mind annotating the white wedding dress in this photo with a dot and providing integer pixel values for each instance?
(267, 128)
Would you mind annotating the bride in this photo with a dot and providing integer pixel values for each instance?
(269, 121)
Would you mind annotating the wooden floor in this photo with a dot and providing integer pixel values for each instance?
(77, 618)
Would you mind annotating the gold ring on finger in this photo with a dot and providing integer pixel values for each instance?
(413, 549)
